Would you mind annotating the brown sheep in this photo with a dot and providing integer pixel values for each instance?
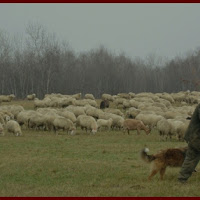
(134, 124)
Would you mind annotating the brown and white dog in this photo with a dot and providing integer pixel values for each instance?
(171, 157)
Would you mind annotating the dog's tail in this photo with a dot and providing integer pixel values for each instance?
(144, 156)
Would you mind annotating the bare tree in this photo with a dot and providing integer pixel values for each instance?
(39, 63)
(5, 59)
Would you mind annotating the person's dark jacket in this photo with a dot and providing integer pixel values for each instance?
(192, 134)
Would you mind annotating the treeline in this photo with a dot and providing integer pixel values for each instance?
(39, 63)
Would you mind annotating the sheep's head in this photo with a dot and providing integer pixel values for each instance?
(73, 129)
(7, 118)
(73, 132)
(94, 131)
(12, 96)
(18, 133)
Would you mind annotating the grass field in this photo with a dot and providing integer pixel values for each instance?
(40, 163)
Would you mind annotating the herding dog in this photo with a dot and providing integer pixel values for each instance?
(173, 157)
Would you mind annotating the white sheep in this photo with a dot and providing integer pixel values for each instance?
(49, 118)
(36, 121)
(171, 114)
(39, 103)
(126, 104)
(114, 111)
(143, 94)
(181, 131)
(7, 98)
(132, 112)
(130, 103)
(164, 128)
(11, 110)
(146, 99)
(31, 97)
(104, 123)
(94, 112)
(177, 128)
(67, 114)
(168, 97)
(46, 110)
(13, 127)
(77, 110)
(164, 101)
(160, 105)
(107, 97)
(87, 123)
(149, 107)
(124, 95)
(89, 96)
(83, 102)
(131, 94)
(7, 115)
(65, 101)
(117, 120)
(49, 114)
(119, 101)
(92, 102)
(63, 123)
(149, 119)
(77, 96)
(15, 110)
(24, 116)
(51, 102)
(180, 96)
(134, 103)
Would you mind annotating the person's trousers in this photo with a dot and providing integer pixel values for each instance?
(191, 160)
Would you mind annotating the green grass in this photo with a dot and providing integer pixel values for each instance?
(106, 164)
(39, 163)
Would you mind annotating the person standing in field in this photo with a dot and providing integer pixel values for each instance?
(192, 137)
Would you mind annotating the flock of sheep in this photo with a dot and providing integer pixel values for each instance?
(168, 113)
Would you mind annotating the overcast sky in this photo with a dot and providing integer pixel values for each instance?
(138, 30)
